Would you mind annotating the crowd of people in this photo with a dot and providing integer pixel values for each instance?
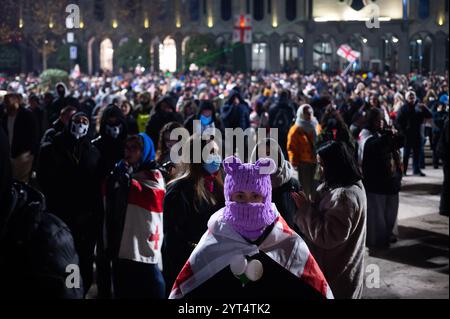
(86, 178)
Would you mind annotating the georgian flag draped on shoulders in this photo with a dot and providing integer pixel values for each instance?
(220, 244)
(141, 234)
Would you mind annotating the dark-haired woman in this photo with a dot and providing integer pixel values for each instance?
(334, 129)
(190, 201)
(334, 223)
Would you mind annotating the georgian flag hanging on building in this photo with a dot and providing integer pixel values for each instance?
(348, 53)
(243, 29)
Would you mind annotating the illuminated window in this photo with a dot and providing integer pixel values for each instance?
(106, 55)
(259, 56)
(168, 55)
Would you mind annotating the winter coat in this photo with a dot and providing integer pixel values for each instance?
(161, 118)
(111, 149)
(382, 173)
(67, 172)
(37, 251)
(301, 146)
(185, 222)
(235, 116)
(284, 182)
(334, 227)
(409, 121)
(25, 132)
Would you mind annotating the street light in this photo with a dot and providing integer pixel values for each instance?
(394, 40)
(364, 40)
(115, 24)
(419, 41)
(300, 40)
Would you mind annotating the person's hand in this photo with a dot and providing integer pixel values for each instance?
(299, 198)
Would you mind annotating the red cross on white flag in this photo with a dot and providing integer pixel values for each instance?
(347, 53)
(155, 237)
(243, 29)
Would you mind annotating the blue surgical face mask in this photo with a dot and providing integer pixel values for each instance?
(205, 120)
(212, 164)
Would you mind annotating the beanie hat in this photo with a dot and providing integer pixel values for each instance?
(249, 219)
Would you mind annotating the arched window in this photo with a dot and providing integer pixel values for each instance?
(226, 9)
(258, 9)
(168, 55)
(106, 55)
(260, 55)
(291, 10)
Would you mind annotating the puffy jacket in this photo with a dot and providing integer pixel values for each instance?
(35, 250)
(299, 146)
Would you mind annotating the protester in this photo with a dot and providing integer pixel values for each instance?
(59, 125)
(265, 257)
(443, 152)
(164, 113)
(410, 117)
(134, 222)
(334, 223)
(284, 180)
(301, 147)
(21, 127)
(281, 117)
(132, 125)
(190, 201)
(36, 247)
(206, 117)
(111, 141)
(67, 172)
(382, 171)
(169, 169)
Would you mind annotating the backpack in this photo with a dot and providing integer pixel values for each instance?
(282, 120)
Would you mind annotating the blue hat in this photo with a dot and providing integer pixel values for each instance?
(148, 154)
(444, 99)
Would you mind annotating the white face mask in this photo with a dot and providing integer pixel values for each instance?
(113, 131)
(79, 130)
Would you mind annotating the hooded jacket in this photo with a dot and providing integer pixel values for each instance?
(67, 173)
(215, 122)
(111, 149)
(283, 183)
(161, 118)
(234, 116)
(61, 102)
(35, 246)
(25, 132)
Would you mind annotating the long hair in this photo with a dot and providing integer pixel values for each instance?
(339, 167)
(195, 174)
(162, 147)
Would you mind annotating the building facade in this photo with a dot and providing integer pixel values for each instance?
(286, 34)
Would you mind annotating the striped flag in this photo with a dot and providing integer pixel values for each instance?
(220, 244)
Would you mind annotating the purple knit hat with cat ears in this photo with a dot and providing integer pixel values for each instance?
(248, 177)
